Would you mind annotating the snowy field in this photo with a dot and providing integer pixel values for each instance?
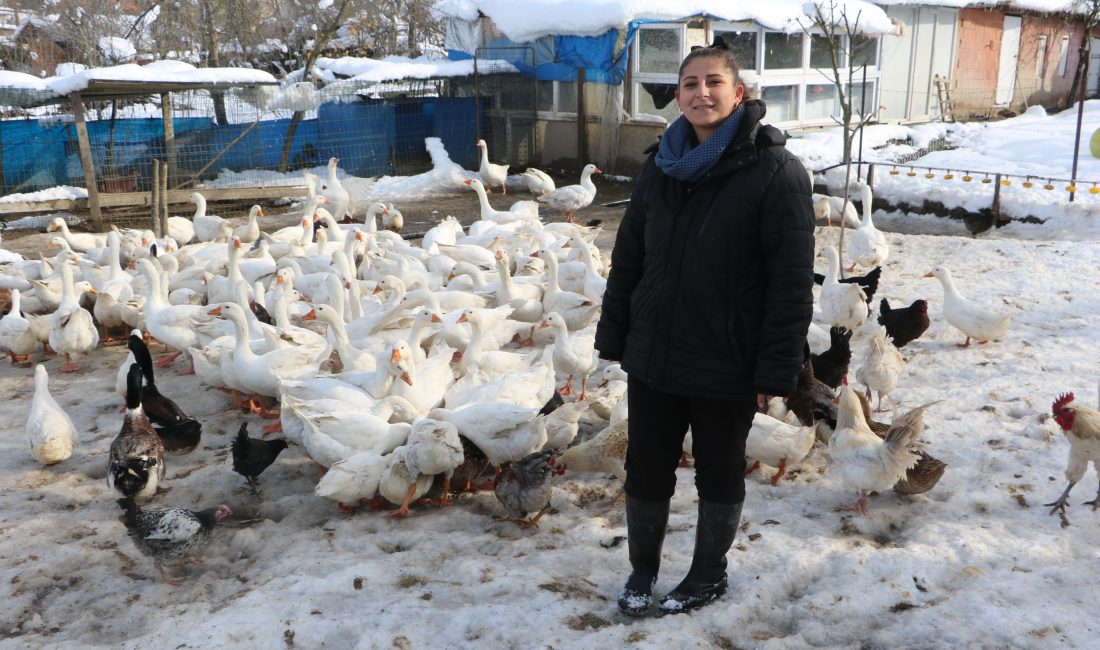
(976, 562)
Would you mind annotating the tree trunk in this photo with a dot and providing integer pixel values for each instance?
(213, 62)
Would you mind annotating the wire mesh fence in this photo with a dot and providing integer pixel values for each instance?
(256, 137)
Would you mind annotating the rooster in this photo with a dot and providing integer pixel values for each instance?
(1082, 427)
(524, 486)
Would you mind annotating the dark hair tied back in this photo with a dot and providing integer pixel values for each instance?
(719, 49)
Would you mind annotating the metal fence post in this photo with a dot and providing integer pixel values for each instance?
(997, 198)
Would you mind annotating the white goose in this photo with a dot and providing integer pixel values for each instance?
(842, 304)
(974, 320)
(77, 241)
(575, 309)
(16, 337)
(777, 444)
(331, 431)
(433, 448)
(491, 174)
(49, 428)
(502, 431)
(525, 298)
(868, 246)
(72, 329)
(249, 231)
(538, 182)
(334, 191)
(173, 325)
(353, 478)
(208, 227)
(488, 213)
(574, 354)
(401, 484)
(571, 198)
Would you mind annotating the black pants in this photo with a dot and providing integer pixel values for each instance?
(658, 423)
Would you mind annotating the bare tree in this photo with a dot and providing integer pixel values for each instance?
(848, 47)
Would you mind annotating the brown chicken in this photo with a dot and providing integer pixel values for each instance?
(812, 399)
(524, 486)
(919, 478)
(831, 366)
(1082, 427)
(905, 324)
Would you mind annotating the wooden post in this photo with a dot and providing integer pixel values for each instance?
(997, 198)
(154, 198)
(86, 161)
(582, 122)
(169, 136)
(164, 199)
(871, 175)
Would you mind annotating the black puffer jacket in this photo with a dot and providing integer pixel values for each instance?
(710, 290)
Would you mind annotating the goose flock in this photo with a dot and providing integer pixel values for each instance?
(393, 364)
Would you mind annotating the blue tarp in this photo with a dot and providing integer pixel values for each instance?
(366, 136)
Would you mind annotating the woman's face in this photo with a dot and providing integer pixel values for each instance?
(707, 94)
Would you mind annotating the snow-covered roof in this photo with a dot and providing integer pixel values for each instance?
(165, 72)
(1041, 6)
(394, 68)
(523, 22)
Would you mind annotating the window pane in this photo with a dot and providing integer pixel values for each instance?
(743, 46)
(820, 101)
(659, 50)
(782, 103)
(820, 56)
(782, 51)
(696, 34)
(546, 95)
(657, 99)
(567, 97)
(864, 50)
(863, 104)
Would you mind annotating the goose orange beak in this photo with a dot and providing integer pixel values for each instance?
(928, 275)
(217, 311)
(463, 319)
(260, 213)
(406, 378)
(395, 356)
(544, 324)
(436, 318)
(312, 315)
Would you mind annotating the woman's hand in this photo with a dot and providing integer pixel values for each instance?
(762, 401)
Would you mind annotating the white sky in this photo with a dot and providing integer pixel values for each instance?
(975, 562)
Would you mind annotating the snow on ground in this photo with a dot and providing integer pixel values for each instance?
(978, 561)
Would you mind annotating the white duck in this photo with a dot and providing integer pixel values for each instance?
(842, 304)
(611, 391)
(16, 337)
(574, 354)
(351, 357)
(865, 462)
(881, 367)
(181, 229)
(429, 379)
(538, 182)
(49, 428)
(868, 246)
(72, 329)
(525, 298)
(208, 227)
(974, 320)
(173, 325)
(492, 175)
(777, 444)
(392, 219)
(571, 198)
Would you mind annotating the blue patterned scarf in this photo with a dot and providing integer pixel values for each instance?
(679, 159)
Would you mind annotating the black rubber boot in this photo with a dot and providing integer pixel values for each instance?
(706, 580)
(645, 533)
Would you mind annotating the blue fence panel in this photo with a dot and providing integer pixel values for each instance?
(360, 134)
(456, 126)
(34, 154)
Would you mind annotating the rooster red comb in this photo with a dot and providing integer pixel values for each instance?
(1061, 402)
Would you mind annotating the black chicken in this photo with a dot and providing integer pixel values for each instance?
(831, 366)
(170, 533)
(905, 324)
(812, 399)
(869, 282)
(524, 486)
(136, 462)
(251, 456)
(179, 431)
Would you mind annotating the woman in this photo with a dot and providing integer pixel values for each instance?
(707, 307)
